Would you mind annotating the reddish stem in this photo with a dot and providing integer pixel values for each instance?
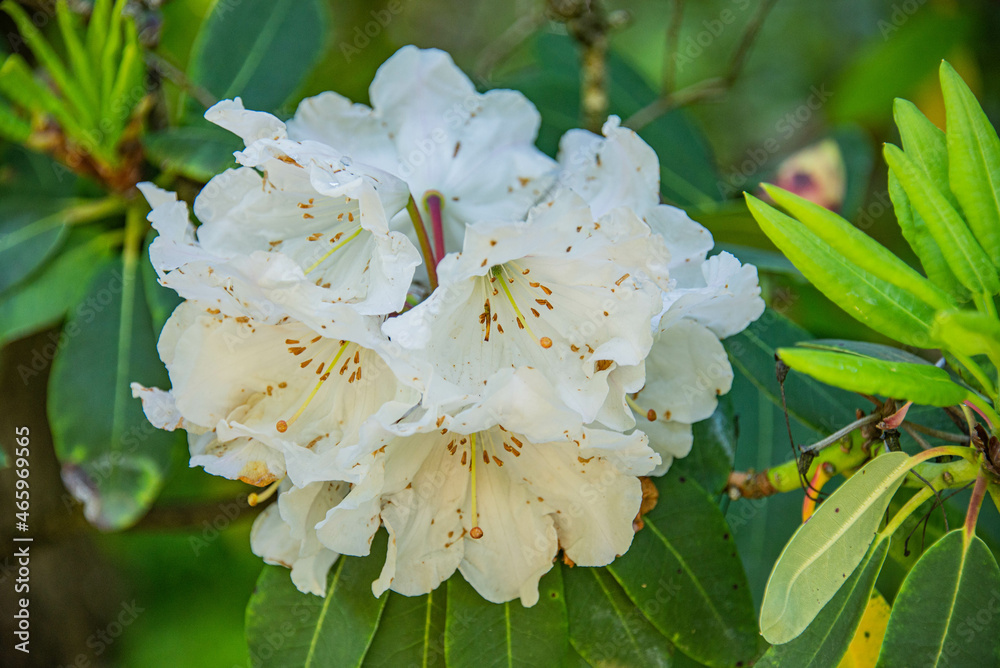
(975, 503)
(434, 203)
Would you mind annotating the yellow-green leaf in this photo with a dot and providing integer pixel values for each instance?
(857, 247)
(824, 551)
(960, 248)
(881, 305)
(973, 161)
(920, 383)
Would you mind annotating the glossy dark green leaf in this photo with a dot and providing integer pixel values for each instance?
(882, 306)
(876, 351)
(825, 641)
(973, 161)
(480, 634)
(286, 628)
(857, 247)
(59, 285)
(198, 151)
(605, 627)
(684, 559)
(410, 632)
(959, 247)
(552, 82)
(919, 383)
(113, 459)
(820, 407)
(260, 50)
(26, 241)
(833, 541)
(946, 612)
(711, 456)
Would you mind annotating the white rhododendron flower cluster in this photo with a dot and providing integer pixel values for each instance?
(480, 403)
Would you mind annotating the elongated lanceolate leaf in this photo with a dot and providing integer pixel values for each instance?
(825, 550)
(919, 383)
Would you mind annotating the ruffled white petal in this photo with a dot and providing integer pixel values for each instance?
(284, 533)
(430, 127)
(554, 293)
(280, 394)
(619, 169)
(725, 300)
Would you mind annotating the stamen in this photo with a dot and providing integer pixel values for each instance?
(475, 532)
(334, 250)
(522, 322)
(282, 425)
(254, 498)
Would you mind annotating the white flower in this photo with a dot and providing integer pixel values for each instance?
(306, 235)
(260, 401)
(428, 126)
(284, 533)
(687, 368)
(558, 292)
(494, 492)
(704, 300)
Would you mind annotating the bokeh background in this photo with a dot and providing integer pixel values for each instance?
(805, 101)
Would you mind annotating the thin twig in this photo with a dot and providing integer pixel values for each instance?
(840, 433)
(908, 428)
(709, 87)
(937, 433)
(175, 75)
(500, 48)
(670, 51)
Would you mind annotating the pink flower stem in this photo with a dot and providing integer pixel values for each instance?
(434, 203)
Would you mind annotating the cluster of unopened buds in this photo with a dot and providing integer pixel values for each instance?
(407, 316)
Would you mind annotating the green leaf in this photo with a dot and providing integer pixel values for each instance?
(605, 627)
(919, 383)
(113, 460)
(968, 332)
(875, 351)
(824, 550)
(924, 142)
(198, 151)
(13, 128)
(960, 249)
(18, 83)
(895, 62)
(858, 248)
(822, 408)
(684, 560)
(882, 306)
(411, 632)
(261, 50)
(46, 55)
(711, 458)
(56, 288)
(938, 616)
(920, 240)
(26, 241)
(480, 634)
(286, 628)
(974, 161)
(825, 641)
(69, 28)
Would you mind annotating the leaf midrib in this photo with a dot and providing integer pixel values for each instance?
(322, 613)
